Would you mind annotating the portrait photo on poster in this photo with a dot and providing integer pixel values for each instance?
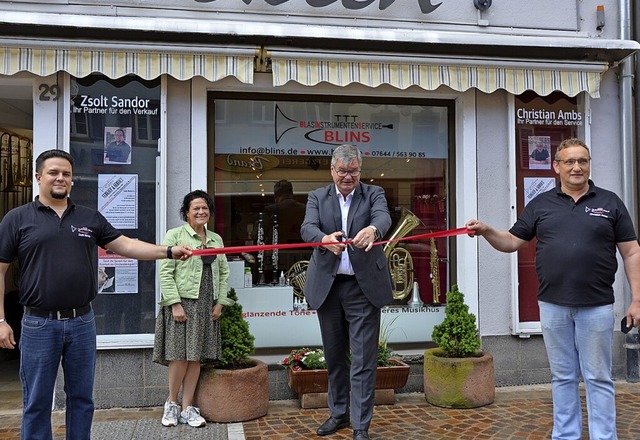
(539, 152)
(117, 148)
(106, 279)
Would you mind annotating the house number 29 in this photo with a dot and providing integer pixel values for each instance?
(49, 92)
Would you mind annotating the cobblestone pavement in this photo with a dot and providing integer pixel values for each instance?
(518, 413)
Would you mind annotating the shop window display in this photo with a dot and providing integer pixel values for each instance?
(406, 149)
(114, 140)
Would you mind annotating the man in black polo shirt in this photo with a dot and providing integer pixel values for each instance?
(578, 227)
(56, 242)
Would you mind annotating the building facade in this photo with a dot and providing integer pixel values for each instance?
(457, 107)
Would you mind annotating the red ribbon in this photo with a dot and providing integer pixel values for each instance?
(268, 247)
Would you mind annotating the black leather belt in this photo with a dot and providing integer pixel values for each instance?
(344, 277)
(59, 314)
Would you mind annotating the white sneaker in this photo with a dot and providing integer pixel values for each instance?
(170, 416)
(191, 415)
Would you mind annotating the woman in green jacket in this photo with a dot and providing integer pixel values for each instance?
(193, 293)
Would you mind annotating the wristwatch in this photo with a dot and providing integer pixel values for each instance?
(2, 320)
(375, 231)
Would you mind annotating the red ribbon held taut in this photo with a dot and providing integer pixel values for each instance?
(268, 247)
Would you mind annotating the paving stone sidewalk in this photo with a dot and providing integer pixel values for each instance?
(518, 413)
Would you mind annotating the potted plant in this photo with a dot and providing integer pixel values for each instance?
(307, 370)
(235, 388)
(458, 374)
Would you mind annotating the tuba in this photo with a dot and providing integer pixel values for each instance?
(399, 259)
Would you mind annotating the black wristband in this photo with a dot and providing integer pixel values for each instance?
(169, 253)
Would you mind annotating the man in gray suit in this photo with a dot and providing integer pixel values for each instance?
(348, 285)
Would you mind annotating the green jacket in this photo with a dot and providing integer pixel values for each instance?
(181, 279)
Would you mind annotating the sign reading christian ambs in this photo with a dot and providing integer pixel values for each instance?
(316, 128)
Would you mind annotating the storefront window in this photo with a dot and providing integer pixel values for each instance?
(542, 123)
(115, 126)
(262, 145)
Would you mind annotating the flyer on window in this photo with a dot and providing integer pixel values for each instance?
(536, 185)
(116, 274)
(118, 199)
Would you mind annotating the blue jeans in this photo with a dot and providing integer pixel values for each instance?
(580, 339)
(43, 344)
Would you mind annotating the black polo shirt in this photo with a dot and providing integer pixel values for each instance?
(58, 257)
(576, 249)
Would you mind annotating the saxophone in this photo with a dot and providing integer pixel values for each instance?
(399, 259)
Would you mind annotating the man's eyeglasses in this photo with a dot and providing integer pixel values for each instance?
(571, 162)
(342, 173)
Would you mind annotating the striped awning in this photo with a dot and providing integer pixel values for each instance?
(430, 73)
(182, 63)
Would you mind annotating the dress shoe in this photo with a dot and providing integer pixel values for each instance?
(331, 425)
(360, 434)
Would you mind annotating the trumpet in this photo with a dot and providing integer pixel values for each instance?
(399, 259)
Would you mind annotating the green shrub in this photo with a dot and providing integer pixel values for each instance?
(457, 335)
(237, 341)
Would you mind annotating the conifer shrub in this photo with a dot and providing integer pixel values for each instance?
(457, 336)
(237, 341)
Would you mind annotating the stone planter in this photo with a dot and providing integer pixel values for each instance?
(312, 385)
(458, 382)
(227, 396)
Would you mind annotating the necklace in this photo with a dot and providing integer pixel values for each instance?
(203, 236)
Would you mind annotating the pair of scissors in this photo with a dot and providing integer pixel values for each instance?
(344, 238)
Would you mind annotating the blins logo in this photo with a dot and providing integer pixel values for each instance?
(82, 231)
(597, 212)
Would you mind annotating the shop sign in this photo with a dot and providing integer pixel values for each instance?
(315, 129)
(269, 309)
(426, 6)
(535, 116)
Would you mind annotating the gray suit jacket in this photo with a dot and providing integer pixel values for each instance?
(322, 217)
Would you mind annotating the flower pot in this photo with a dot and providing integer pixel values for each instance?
(392, 377)
(308, 381)
(227, 396)
(458, 382)
(317, 381)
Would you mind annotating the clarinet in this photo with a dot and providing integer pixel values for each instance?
(260, 242)
(274, 253)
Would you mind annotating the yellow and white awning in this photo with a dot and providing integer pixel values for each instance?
(430, 73)
(116, 61)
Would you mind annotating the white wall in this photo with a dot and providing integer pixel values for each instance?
(179, 171)
(495, 208)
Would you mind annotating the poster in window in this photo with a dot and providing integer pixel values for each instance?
(539, 152)
(116, 274)
(534, 186)
(118, 199)
(116, 148)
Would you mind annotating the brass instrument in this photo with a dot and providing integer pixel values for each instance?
(296, 276)
(435, 271)
(399, 259)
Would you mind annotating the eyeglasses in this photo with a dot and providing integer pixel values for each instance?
(342, 173)
(571, 162)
